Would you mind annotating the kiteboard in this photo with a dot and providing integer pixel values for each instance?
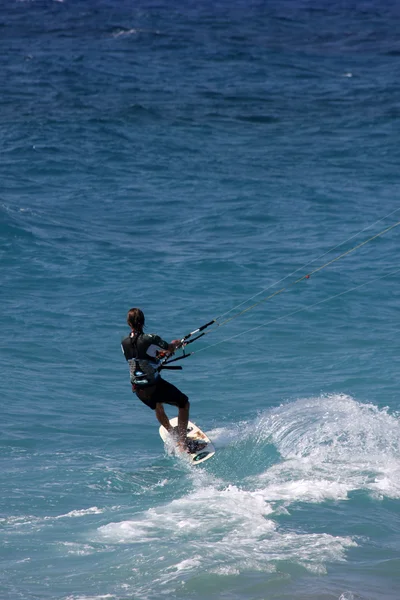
(200, 446)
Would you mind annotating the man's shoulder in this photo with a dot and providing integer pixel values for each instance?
(153, 338)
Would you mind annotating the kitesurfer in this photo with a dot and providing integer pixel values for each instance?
(144, 352)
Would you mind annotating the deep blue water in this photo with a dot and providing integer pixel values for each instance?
(192, 158)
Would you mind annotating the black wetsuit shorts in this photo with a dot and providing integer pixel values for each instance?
(163, 392)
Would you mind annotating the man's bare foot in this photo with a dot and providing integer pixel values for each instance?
(191, 446)
(182, 446)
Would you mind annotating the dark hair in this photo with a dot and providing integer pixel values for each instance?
(135, 319)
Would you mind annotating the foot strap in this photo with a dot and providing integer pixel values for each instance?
(195, 446)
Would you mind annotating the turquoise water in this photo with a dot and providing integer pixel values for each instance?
(186, 158)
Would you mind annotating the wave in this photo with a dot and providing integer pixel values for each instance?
(330, 446)
(311, 451)
(316, 449)
(221, 531)
(12, 523)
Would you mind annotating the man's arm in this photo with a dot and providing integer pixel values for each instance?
(159, 348)
(174, 345)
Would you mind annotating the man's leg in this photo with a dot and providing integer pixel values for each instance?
(169, 394)
(162, 417)
(183, 418)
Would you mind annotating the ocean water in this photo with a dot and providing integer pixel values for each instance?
(198, 159)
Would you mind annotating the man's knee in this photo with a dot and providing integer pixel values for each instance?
(159, 409)
(186, 406)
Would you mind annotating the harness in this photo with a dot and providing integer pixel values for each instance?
(143, 371)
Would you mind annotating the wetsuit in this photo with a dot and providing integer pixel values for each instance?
(142, 354)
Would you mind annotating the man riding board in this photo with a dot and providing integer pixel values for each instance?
(143, 352)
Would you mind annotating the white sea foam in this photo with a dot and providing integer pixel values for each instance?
(79, 513)
(201, 512)
(325, 448)
(387, 482)
(31, 520)
(17, 521)
(223, 436)
(331, 445)
(77, 549)
(134, 31)
(187, 564)
(224, 530)
(125, 32)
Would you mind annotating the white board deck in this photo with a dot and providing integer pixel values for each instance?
(193, 433)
